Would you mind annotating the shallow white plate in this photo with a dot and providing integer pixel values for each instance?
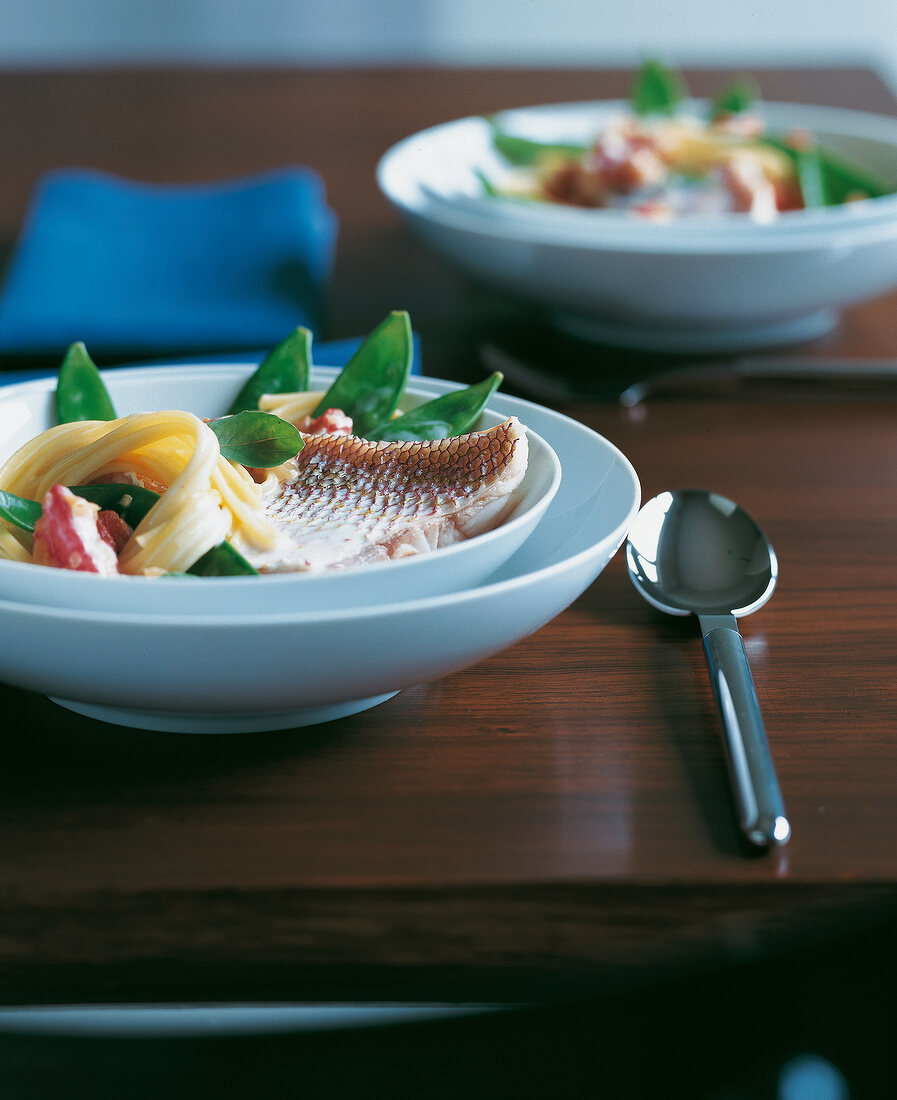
(241, 673)
(693, 285)
(26, 409)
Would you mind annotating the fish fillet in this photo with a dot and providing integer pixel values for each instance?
(352, 501)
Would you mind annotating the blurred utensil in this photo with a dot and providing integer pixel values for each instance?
(763, 368)
(728, 374)
(694, 552)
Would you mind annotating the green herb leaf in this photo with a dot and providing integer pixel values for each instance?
(369, 386)
(449, 415)
(222, 561)
(81, 393)
(19, 511)
(255, 438)
(284, 369)
(523, 152)
(657, 90)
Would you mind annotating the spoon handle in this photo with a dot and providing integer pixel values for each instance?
(760, 808)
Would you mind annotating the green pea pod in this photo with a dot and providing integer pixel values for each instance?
(811, 177)
(656, 90)
(370, 385)
(846, 180)
(827, 179)
(222, 561)
(284, 369)
(449, 415)
(735, 98)
(132, 502)
(81, 393)
(488, 186)
(19, 511)
(523, 152)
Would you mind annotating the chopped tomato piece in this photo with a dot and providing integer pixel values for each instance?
(68, 535)
(331, 421)
(113, 529)
(750, 191)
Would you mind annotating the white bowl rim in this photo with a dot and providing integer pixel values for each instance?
(223, 585)
(423, 603)
(578, 229)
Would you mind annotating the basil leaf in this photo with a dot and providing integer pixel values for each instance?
(449, 415)
(284, 369)
(222, 561)
(369, 386)
(656, 90)
(735, 98)
(81, 393)
(522, 152)
(19, 511)
(255, 438)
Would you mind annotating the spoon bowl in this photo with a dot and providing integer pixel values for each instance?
(696, 552)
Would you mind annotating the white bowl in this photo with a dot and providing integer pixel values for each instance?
(247, 672)
(689, 285)
(26, 409)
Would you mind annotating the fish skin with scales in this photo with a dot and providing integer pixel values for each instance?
(348, 501)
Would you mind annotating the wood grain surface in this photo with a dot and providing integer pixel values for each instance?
(556, 818)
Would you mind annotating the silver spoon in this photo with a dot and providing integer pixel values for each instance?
(695, 552)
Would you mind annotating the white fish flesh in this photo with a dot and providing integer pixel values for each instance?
(348, 501)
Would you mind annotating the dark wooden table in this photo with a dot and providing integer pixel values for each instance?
(554, 823)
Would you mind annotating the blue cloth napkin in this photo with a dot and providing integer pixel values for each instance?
(142, 268)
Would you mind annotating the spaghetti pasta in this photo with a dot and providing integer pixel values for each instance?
(207, 498)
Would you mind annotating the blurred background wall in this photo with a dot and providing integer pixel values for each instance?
(530, 32)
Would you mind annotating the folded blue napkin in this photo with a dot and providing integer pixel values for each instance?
(142, 268)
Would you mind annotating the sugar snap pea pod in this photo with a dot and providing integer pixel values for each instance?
(132, 502)
(846, 180)
(734, 98)
(656, 89)
(449, 415)
(370, 385)
(222, 561)
(19, 511)
(522, 152)
(811, 177)
(81, 393)
(827, 179)
(284, 369)
(488, 186)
